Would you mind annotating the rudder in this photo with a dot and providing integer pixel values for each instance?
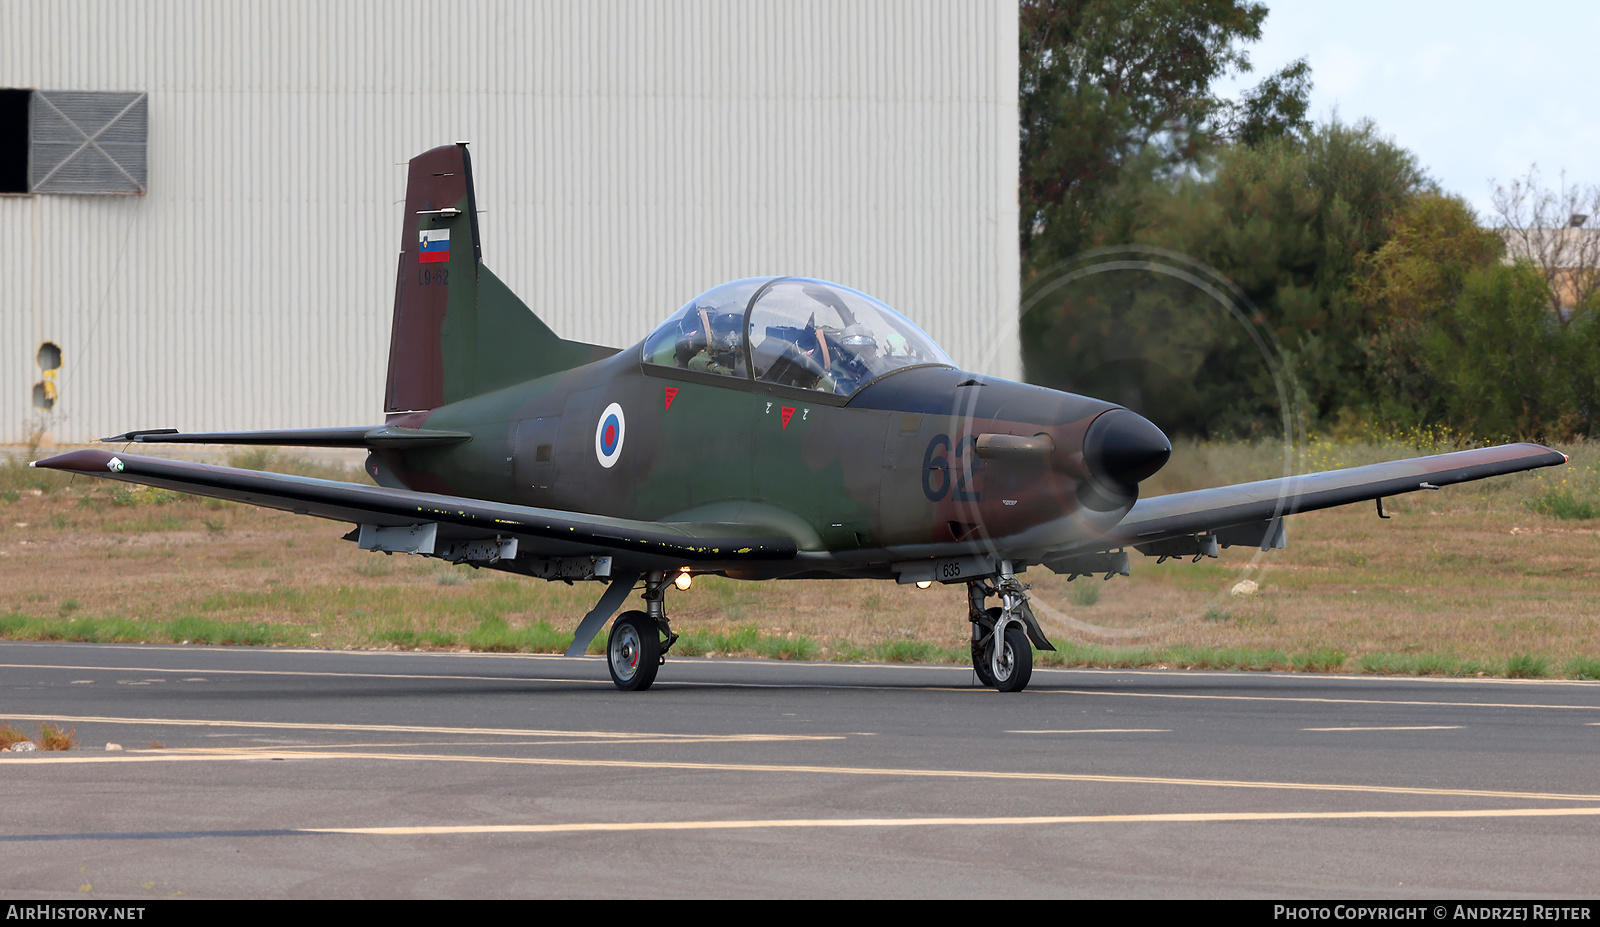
(458, 331)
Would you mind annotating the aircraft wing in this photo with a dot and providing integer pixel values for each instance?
(390, 437)
(1246, 511)
(636, 545)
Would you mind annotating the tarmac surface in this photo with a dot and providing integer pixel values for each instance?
(280, 773)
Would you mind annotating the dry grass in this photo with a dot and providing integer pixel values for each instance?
(10, 735)
(50, 737)
(1477, 578)
(54, 738)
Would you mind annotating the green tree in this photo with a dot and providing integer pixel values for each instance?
(1583, 355)
(1115, 93)
(1506, 365)
(1409, 287)
(1290, 221)
(1419, 272)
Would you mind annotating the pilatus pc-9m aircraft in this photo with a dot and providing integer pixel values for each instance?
(773, 428)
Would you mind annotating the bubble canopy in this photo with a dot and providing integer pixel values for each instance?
(791, 331)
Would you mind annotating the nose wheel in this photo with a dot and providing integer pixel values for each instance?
(1011, 668)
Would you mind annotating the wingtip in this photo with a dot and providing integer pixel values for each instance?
(86, 460)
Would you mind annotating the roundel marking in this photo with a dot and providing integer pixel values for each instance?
(608, 435)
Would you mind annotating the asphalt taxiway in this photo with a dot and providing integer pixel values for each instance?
(278, 773)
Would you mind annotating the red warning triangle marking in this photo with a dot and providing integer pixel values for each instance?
(788, 413)
(672, 391)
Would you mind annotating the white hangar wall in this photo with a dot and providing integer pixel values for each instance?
(627, 156)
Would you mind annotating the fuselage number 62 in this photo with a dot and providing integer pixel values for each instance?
(953, 481)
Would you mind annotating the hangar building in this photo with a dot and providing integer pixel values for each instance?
(201, 200)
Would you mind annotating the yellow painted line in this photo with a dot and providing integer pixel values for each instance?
(607, 736)
(51, 757)
(115, 670)
(1104, 730)
(1287, 678)
(458, 744)
(970, 774)
(975, 691)
(1421, 727)
(1320, 701)
(1291, 677)
(295, 753)
(1176, 818)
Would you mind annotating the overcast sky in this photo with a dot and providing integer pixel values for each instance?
(1479, 91)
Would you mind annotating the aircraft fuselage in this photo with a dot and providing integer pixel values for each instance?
(898, 470)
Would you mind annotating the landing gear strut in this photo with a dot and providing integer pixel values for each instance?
(636, 649)
(1002, 638)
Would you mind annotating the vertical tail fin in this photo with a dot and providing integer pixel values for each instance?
(458, 331)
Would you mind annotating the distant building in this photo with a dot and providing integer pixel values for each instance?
(1569, 259)
(201, 201)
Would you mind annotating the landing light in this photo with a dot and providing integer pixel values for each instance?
(924, 583)
(682, 580)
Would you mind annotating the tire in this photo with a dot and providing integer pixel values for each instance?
(633, 651)
(1021, 662)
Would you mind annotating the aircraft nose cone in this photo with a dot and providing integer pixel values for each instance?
(1123, 448)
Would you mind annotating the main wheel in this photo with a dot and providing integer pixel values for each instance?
(633, 652)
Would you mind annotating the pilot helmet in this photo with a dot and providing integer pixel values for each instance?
(725, 329)
(858, 340)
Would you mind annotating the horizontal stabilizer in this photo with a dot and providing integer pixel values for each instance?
(387, 437)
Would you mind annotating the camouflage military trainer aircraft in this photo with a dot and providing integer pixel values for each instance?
(774, 428)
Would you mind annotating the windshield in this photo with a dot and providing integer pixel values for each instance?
(791, 331)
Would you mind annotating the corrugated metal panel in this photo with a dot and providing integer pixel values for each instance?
(628, 156)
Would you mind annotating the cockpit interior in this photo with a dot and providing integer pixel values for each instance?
(791, 331)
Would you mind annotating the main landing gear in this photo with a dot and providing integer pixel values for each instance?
(640, 640)
(1002, 637)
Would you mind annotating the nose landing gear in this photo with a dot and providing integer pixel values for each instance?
(1003, 637)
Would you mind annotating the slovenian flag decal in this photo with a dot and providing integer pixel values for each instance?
(434, 247)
